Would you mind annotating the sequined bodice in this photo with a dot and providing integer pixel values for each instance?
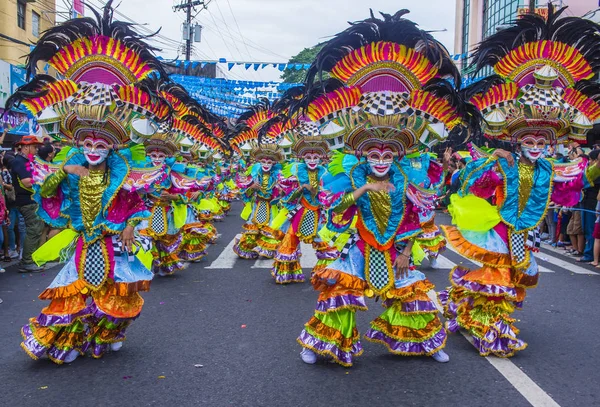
(381, 205)
(91, 189)
(525, 184)
(313, 178)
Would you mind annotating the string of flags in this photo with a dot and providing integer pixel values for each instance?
(281, 66)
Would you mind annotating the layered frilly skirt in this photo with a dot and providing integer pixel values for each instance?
(481, 301)
(410, 325)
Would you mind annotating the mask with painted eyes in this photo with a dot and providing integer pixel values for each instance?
(95, 150)
(157, 157)
(266, 164)
(380, 161)
(534, 148)
(312, 160)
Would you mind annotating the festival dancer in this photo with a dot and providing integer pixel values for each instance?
(305, 213)
(260, 187)
(393, 98)
(92, 193)
(540, 96)
(431, 242)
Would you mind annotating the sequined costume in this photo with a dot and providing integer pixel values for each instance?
(103, 104)
(385, 109)
(260, 184)
(539, 97)
(305, 215)
(431, 242)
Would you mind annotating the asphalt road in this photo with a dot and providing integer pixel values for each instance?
(226, 337)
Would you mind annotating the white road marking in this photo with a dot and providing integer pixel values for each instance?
(519, 380)
(309, 256)
(227, 258)
(262, 264)
(569, 266)
(444, 263)
(541, 268)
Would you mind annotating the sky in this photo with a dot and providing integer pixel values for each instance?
(272, 30)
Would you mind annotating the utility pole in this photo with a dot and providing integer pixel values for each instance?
(188, 5)
(532, 6)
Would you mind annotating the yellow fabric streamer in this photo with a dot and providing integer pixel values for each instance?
(145, 257)
(418, 255)
(247, 211)
(50, 251)
(473, 213)
(179, 215)
(280, 219)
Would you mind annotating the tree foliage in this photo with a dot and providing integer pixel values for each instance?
(306, 56)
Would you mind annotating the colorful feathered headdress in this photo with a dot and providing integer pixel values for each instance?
(387, 85)
(104, 64)
(542, 83)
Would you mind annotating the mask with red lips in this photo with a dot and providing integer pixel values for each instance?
(266, 164)
(95, 150)
(380, 161)
(534, 148)
(312, 160)
(157, 157)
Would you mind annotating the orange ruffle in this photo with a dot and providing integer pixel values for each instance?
(413, 292)
(288, 268)
(473, 252)
(289, 244)
(65, 306)
(118, 306)
(326, 333)
(59, 338)
(429, 226)
(321, 274)
(523, 280)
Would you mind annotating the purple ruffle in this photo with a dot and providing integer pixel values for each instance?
(49, 320)
(269, 254)
(500, 340)
(287, 258)
(31, 344)
(192, 256)
(341, 301)
(427, 347)
(244, 254)
(160, 246)
(97, 314)
(319, 346)
(288, 277)
(414, 306)
(327, 254)
(490, 290)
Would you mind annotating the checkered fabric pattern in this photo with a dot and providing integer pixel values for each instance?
(378, 272)
(261, 213)
(293, 212)
(534, 239)
(517, 245)
(141, 243)
(94, 267)
(307, 129)
(351, 242)
(382, 104)
(96, 95)
(307, 228)
(158, 221)
(541, 97)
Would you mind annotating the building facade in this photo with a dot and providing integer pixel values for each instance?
(478, 19)
(21, 23)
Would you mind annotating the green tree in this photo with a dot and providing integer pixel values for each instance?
(306, 56)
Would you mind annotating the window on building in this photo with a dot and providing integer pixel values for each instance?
(497, 13)
(465, 26)
(35, 24)
(21, 14)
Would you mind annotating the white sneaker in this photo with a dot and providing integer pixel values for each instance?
(441, 356)
(13, 254)
(71, 356)
(433, 263)
(115, 347)
(308, 356)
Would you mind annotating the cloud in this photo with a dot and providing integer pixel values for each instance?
(274, 30)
